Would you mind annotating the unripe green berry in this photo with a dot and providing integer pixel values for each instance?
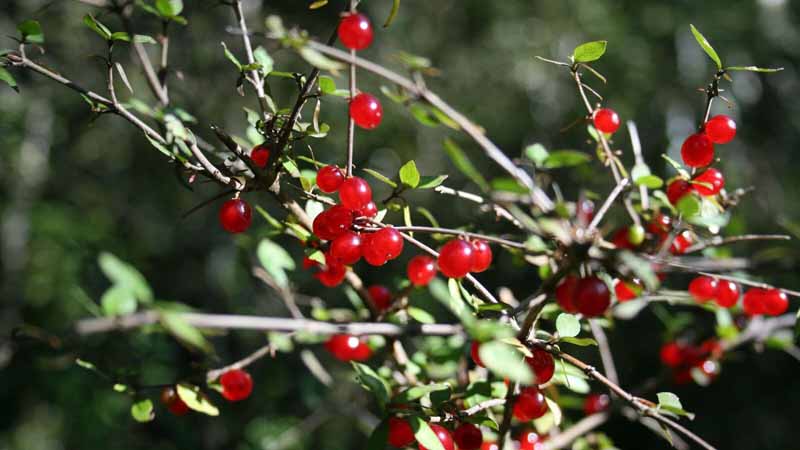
(636, 234)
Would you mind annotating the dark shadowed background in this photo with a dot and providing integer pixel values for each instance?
(73, 187)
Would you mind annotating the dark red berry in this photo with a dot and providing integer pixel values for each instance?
(671, 354)
(369, 210)
(443, 435)
(677, 189)
(565, 294)
(401, 434)
(682, 375)
(710, 182)
(380, 296)
(346, 248)
(622, 239)
(260, 155)
(468, 437)
(474, 352)
(775, 302)
(236, 385)
(329, 178)
(332, 274)
(720, 129)
(456, 258)
(697, 150)
(592, 296)
(660, 225)
(355, 31)
(235, 215)
(421, 269)
(712, 347)
(366, 111)
(727, 293)
(481, 256)
(753, 301)
(345, 347)
(529, 405)
(596, 403)
(606, 120)
(542, 364)
(703, 289)
(530, 440)
(626, 291)
(355, 193)
(174, 404)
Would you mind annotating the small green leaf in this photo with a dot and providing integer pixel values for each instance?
(580, 342)
(196, 400)
(123, 274)
(649, 181)
(118, 301)
(568, 325)
(319, 60)
(169, 8)
(409, 175)
(424, 434)
(98, 27)
(327, 85)
(753, 69)
(31, 31)
(373, 383)
(143, 39)
(142, 411)
(689, 205)
(85, 364)
(184, 332)
(423, 115)
(381, 177)
(565, 158)
(416, 392)
(706, 46)
(231, 57)
(463, 164)
(508, 184)
(420, 315)
(7, 78)
(590, 51)
(506, 361)
(536, 153)
(276, 261)
(262, 57)
(120, 36)
(430, 182)
(668, 401)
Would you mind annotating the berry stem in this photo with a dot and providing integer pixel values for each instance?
(451, 231)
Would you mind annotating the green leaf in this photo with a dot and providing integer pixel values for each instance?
(7, 78)
(231, 57)
(420, 315)
(424, 434)
(120, 36)
(379, 436)
(143, 39)
(409, 175)
(565, 158)
(706, 46)
(85, 364)
(196, 400)
(590, 51)
(689, 205)
(568, 325)
(463, 164)
(123, 274)
(753, 69)
(169, 8)
(327, 85)
(31, 31)
(142, 411)
(118, 301)
(449, 295)
(262, 57)
(98, 27)
(381, 177)
(649, 181)
(668, 401)
(505, 361)
(580, 342)
(276, 261)
(536, 153)
(373, 382)
(423, 115)
(319, 60)
(416, 392)
(508, 184)
(184, 332)
(430, 182)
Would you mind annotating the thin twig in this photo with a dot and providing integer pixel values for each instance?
(605, 351)
(451, 231)
(719, 241)
(636, 145)
(607, 204)
(255, 74)
(351, 124)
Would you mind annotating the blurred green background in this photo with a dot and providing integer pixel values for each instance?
(73, 187)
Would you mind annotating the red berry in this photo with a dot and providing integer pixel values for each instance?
(369, 210)
(332, 223)
(727, 293)
(355, 31)
(775, 302)
(585, 211)
(682, 242)
(592, 296)
(260, 155)
(235, 215)
(372, 255)
(383, 245)
(468, 437)
(474, 351)
(753, 301)
(677, 189)
(712, 347)
(530, 440)
(489, 445)
(621, 239)
(565, 293)
(236, 385)
(530, 405)
(720, 129)
(329, 178)
(366, 111)
(709, 368)
(671, 354)
(456, 258)
(174, 404)
(421, 269)
(345, 347)
(308, 263)
(697, 150)
(482, 256)
(660, 225)
(606, 120)
(355, 193)
(596, 403)
(444, 437)
(542, 364)
(711, 177)
(627, 291)
(333, 273)
(346, 249)
(380, 296)
(401, 434)
(682, 375)
(703, 289)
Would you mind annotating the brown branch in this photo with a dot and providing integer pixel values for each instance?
(484, 237)
(254, 75)
(719, 241)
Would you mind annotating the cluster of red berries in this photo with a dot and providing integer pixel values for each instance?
(466, 436)
(458, 257)
(235, 215)
(589, 295)
(682, 358)
(766, 301)
(236, 384)
(756, 301)
(355, 32)
(659, 230)
(345, 347)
